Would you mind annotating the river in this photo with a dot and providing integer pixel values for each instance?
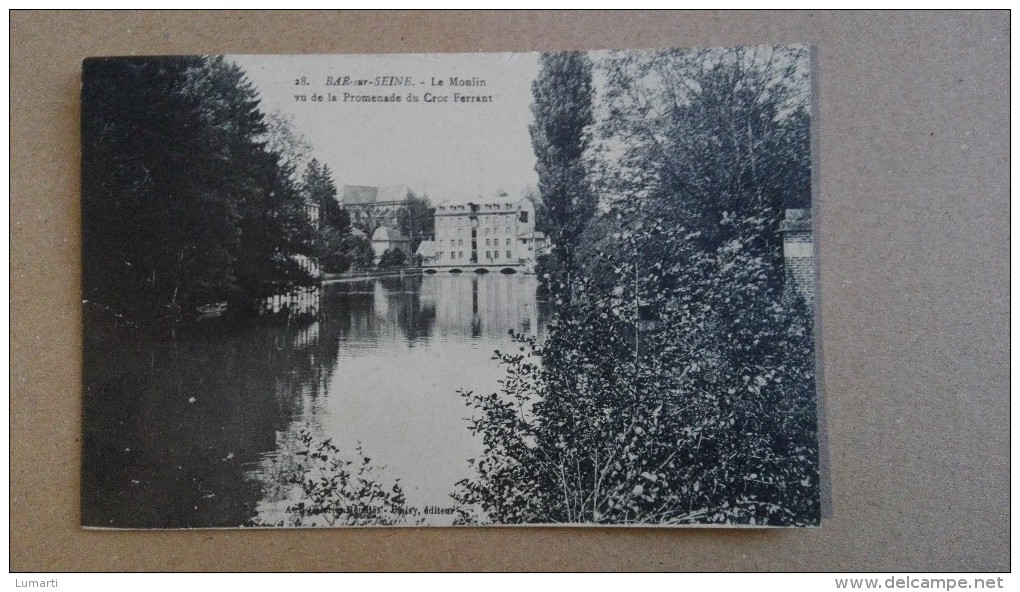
(201, 429)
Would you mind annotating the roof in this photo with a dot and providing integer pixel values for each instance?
(359, 194)
(426, 249)
(485, 203)
(497, 200)
(392, 193)
(385, 233)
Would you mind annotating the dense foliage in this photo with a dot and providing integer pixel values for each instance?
(416, 220)
(391, 258)
(183, 201)
(676, 385)
(562, 110)
(337, 247)
(359, 250)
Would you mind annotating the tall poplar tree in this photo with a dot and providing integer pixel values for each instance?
(562, 109)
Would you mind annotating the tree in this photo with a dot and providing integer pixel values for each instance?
(277, 240)
(562, 111)
(697, 135)
(131, 197)
(276, 236)
(293, 148)
(416, 219)
(183, 204)
(703, 414)
(391, 258)
(359, 251)
(334, 221)
(320, 189)
(677, 384)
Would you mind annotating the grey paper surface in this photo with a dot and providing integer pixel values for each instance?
(911, 215)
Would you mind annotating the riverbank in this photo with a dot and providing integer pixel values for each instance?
(369, 274)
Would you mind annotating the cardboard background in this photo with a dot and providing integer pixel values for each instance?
(912, 226)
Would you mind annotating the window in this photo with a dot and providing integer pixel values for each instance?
(508, 230)
(488, 255)
(487, 229)
(460, 243)
(523, 217)
(508, 242)
(453, 255)
(462, 254)
(495, 254)
(486, 242)
(508, 255)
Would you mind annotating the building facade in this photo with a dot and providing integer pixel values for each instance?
(389, 239)
(496, 232)
(311, 265)
(798, 253)
(427, 254)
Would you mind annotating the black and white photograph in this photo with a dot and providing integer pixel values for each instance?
(485, 289)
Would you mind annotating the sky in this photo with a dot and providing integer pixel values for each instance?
(450, 151)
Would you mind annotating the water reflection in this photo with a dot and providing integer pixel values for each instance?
(405, 348)
(170, 422)
(201, 429)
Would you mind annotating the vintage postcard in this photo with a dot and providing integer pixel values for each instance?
(440, 290)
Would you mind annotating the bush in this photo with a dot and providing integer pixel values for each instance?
(337, 491)
(391, 258)
(359, 252)
(682, 393)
